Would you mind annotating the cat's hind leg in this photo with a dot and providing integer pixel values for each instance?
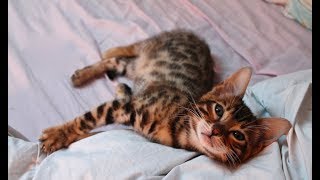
(114, 63)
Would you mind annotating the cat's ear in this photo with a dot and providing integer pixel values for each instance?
(273, 129)
(239, 81)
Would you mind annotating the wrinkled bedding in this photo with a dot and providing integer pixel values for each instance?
(123, 154)
(49, 40)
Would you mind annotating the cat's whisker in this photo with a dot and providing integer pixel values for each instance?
(194, 103)
(228, 159)
(235, 155)
(190, 110)
(207, 126)
(231, 158)
(196, 110)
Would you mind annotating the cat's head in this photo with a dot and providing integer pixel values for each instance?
(226, 128)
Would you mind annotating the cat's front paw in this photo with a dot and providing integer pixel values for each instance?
(55, 138)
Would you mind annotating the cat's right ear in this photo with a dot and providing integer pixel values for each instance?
(239, 81)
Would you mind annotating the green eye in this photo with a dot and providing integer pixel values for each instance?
(238, 135)
(219, 110)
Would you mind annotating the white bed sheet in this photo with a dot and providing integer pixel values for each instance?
(49, 40)
(123, 154)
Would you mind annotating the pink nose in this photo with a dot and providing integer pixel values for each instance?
(216, 132)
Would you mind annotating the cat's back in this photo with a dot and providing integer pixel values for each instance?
(178, 59)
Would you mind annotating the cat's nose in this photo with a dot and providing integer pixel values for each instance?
(217, 130)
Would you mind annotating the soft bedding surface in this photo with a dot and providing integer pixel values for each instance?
(49, 40)
(123, 154)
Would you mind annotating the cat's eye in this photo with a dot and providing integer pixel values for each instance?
(219, 110)
(238, 135)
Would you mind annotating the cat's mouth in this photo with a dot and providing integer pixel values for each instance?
(213, 146)
(212, 143)
(207, 138)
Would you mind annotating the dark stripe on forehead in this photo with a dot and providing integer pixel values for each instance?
(243, 113)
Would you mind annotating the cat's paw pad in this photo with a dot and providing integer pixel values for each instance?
(78, 78)
(53, 139)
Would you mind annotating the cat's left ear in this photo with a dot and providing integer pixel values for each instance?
(239, 81)
(273, 129)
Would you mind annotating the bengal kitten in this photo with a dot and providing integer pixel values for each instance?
(173, 101)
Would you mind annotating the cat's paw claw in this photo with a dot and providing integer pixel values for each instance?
(53, 139)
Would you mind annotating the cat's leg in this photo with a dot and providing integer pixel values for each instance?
(114, 62)
(116, 111)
